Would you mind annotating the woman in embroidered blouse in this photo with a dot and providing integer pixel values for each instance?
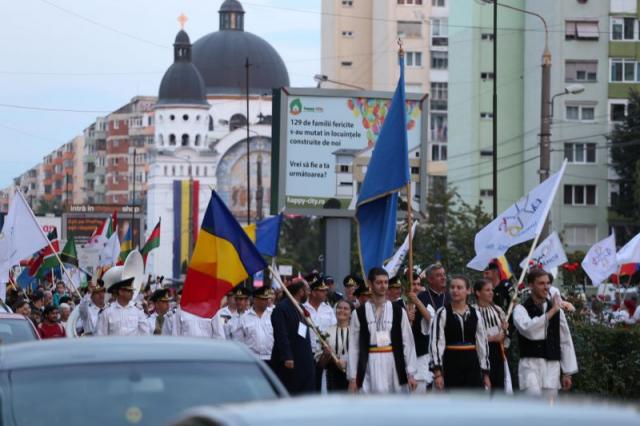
(458, 347)
(338, 338)
(495, 324)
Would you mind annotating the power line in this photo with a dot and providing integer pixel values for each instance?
(103, 26)
(39, 108)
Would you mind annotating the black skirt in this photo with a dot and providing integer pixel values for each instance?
(461, 369)
(336, 379)
(496, 362)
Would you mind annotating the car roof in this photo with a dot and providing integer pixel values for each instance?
(5, 315)
(449, 409)
(95, 350)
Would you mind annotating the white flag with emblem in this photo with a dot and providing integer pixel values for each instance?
(630, 253)
(600, 261)
(393, 265)
(519, 223)
(21, 235)
(549, 254)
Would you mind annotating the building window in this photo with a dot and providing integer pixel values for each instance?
(486, 76)
(581, 30)
(486, 116)
(161, 139)
(438, 152)
(580, 195)
(438, 3)
(416, 2)
(414, 59)
(197, 142)
(486, 192)
(487, 36)
(617, 111)
(439, 96)
(347, 34)
(439, 33)
(237, 121)
(580, 235)
(172, 140)
(580, 112)
(580, 153)
(624, 29)
(185, 140)
(346, 64)
(614, 192)
(623, 70)
(185, 117)
(172, 117)
(347, 3)
(409, 29)
(580, 71)
(439, 60)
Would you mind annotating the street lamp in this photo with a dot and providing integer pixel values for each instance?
(572, 89)
(321, 78)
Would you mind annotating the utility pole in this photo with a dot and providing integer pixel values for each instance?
(545, 123)
(495, 110)
(133, 201)
(246, 67)
(259, 189)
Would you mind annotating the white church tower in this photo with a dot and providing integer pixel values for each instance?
(181, 168)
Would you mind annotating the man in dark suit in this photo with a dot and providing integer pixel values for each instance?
(292, 358)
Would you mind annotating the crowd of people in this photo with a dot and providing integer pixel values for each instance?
(380, 336)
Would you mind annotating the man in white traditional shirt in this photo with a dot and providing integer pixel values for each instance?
(380, 335)
(322, 316)
(122, 317)
(547, 356)
(255, 329)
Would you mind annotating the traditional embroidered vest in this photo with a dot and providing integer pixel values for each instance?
(455, 334)
(396, 343)
(548, 348)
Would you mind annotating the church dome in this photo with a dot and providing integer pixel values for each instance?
(221, 57)
(182, 84)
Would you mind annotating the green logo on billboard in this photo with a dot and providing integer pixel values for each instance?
(295, 107)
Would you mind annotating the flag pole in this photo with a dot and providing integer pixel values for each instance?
(33, 216)
(307, 319)
(512, 304)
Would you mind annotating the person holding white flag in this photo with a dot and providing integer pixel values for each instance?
(393, 265)
(600, 261)
(521, 222)
(21, 237)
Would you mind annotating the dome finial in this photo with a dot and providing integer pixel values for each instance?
(183, 20)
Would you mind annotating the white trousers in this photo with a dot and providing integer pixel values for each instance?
(381, 376)
(538, 376)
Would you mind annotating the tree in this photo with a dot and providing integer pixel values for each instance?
(301, 242)
(42, 207)
(625, 159)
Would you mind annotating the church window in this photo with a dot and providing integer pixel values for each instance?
(165, 170)
(197, 117)
(185, 140)
(160, 117)
(189, 170)
(181, 170)
(161, 139)
(197, 143)
(197, 170)
(204, 171)
(172, 117)
(173, 170)
(210, 123)
(172, 139)
(185, 117)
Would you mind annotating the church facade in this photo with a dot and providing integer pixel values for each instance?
(203, 135)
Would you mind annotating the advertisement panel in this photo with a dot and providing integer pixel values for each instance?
(324, 142)
(82, 220)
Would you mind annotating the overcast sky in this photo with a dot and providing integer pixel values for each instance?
(95, 55)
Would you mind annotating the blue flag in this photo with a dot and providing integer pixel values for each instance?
(387, 173)
(267, 235)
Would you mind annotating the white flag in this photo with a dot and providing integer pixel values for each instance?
(111, 250)
(549, 254)
(519, 223)
(393, 265)
(21, 235)
(600, 261)
(630, 253)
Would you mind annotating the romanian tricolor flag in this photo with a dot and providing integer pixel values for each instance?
(503, 266)
(126, 246)
(185, 221)
(223, 257)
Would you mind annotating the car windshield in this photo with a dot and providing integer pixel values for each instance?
(150, 393)
(15, 331)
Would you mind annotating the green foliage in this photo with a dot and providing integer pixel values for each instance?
(625, 158)
(608, 359)
(301, 243)
(42, 207)
(449, 232)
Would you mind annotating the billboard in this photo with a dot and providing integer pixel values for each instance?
(81, 220)
(322, 143)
